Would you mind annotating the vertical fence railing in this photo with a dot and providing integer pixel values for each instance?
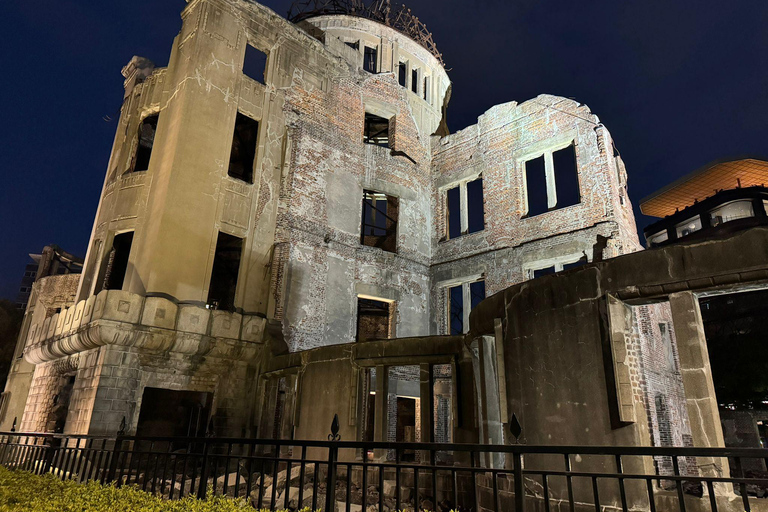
(337, 475)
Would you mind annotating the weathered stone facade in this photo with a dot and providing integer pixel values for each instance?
(303, 264)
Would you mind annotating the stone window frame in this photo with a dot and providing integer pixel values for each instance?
(545, 148)
(463, 206)
(464, 282)
(557, 262)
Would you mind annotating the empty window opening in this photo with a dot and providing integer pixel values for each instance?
(470, 293)
(574, 264)
(464, 208)
(540, 272)
(566, 177)
(475, 209)
(255, 64)
(552, 181)
(117, 261)
(226, 266)
(146, 140)
(374, 319)
(415, 80)
(476, 293)
(370, 56)
(402, 70)
(376, 130)
(536, 186)
(456, 310)
(425, 91)
(243, 151)
(454, 212)
(379, 228)
(355, 45)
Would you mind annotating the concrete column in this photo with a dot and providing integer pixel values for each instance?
(426, 395)
(697, 380)
(549, 169)
(380, 418)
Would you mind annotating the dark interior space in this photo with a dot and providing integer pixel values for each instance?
(243, 148)
(376, 130)
(456, 310)
(453, 211)
(475, 206)
(57, 418)
(406, 424)
(736, 328)
(369, 59)
(476, 292)
(536, 186)
(401, 73)
(373, 320)
(146, 141)
(566, 177)
(255, 64)
(379, 226)
(172, 413)
(117, 261)
(226, 266)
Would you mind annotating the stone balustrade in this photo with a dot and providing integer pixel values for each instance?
(156, 324)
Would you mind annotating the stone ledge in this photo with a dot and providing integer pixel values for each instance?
(116, 317)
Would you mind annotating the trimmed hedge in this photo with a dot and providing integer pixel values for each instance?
(23, 491)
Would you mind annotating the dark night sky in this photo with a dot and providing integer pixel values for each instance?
(678, 84)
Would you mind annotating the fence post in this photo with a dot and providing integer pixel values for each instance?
(203, 486)
(333, 455)
(116, 453)
(519, 484)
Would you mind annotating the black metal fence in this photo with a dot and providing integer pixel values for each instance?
(376, 477)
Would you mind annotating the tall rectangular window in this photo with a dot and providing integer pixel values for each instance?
(475, 206)
(425, 92)
(146, 140)
(243, 150)
(376, 130)
(454, 212)
(379, 226)
(370, 57)
(117, 261)
(255, 64)
(465, 209)
(459, 297)
(402, 69)
(415, 80)
(536, 186)
(226, 267)
(566, 177)
(456, 310)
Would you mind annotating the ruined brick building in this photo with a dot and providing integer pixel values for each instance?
(287, 230)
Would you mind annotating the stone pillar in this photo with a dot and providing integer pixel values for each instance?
(697, 380)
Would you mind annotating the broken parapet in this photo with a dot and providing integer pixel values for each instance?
(135, 72)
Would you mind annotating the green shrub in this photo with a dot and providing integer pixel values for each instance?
(23, 491)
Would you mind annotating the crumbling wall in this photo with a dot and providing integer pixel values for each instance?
(512, 243)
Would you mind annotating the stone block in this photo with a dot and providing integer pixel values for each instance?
(159, 312)
(122, 306)
(225, 325)
(193, 319)
(253, 328)
(59, 328)
(88, 310)
(77, 321)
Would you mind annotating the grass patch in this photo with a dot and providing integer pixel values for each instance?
(24, 491)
